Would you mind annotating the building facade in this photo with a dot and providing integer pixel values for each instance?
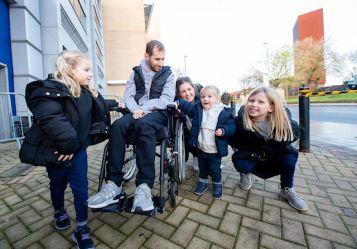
(40, 30)
(125, 37)
(311, 25)
(34, 32)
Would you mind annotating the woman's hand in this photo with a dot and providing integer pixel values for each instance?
(63, 157)
(219, 132)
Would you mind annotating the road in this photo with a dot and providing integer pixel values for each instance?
(334, 124)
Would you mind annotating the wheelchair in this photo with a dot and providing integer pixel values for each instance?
(172, 165)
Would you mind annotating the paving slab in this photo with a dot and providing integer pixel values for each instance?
(326, 177)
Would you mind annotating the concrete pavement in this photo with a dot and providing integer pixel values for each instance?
(326, 178)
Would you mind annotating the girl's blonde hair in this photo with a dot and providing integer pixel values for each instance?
(66, 61)
(213, 89)
(279, 123)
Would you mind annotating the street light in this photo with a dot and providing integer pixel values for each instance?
(184, 62)
(267, 61)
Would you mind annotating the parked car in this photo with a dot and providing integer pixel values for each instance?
(352, 84)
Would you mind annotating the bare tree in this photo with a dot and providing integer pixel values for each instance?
(280, 70)
(252, 80)
(353, 57)
(178, 72)
(312, 58)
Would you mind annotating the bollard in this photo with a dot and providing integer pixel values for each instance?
(304, 121)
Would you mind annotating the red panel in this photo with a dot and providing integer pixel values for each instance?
(312, 25)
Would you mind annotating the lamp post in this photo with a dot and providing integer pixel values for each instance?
(267, 52)
(184, 62)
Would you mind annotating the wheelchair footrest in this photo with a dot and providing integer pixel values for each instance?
(159, 203)
(115, 207)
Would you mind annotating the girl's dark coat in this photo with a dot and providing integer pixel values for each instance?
(56, 123)
(250, 145)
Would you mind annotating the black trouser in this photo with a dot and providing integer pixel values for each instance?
(144, 130)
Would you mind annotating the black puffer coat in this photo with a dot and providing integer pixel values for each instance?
(56, 123)
(250, 145)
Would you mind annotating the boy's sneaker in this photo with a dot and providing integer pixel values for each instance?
(105, 196)
(195, 163)
(201, 187)
(245, 181)
(82, 238)
(62, 220)
(294, 200)
(217, 190)
(142, 199)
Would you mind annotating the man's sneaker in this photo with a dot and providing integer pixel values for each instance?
(82, 238)
(217, 190)
(201, 187)
(62, 220)
(105, 196)
(245, 181)
(142, 198)
(294, 200)
(195, 163)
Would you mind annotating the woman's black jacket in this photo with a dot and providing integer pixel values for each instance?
(56, 123)
(250, 145)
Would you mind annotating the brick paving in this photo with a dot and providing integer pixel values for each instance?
(326, 178)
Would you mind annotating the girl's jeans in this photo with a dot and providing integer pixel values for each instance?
(284, 162)
(76, 176)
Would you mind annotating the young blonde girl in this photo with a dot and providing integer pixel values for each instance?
(263, 139)
(212, 125)
(69, 114)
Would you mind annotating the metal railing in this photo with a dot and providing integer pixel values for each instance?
(15, 119)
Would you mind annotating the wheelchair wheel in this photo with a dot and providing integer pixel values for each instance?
(129, 167)
(173, 192)
(103, 166)
(180, 149)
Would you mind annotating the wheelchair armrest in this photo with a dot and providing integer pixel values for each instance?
(122, 110)
(171, 107)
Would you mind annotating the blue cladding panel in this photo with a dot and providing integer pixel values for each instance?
(5, 41)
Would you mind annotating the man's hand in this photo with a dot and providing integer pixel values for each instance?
(138, 114)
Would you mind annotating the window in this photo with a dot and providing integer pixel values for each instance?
(77, 6)
(100, 73)
(96, 19)
(99, 53)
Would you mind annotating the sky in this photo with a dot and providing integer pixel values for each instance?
(221, 40)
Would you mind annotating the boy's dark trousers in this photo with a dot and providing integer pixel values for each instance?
(76, 176)
(144, 132)
(209, 165)
(284, 164)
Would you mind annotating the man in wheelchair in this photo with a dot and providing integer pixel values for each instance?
(149, 90)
